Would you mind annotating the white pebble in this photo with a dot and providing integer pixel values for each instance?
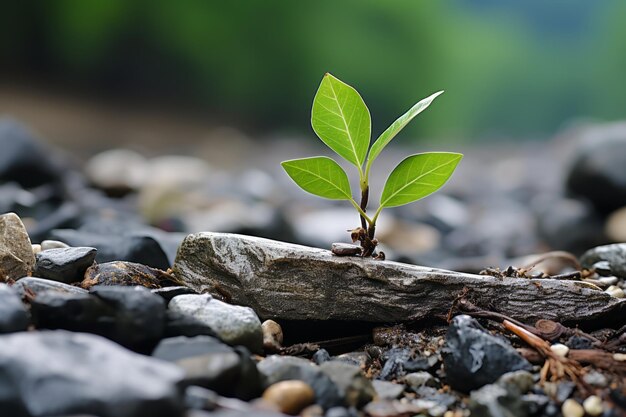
(53, 244)
(593, 405)
(621, 357)
(571, 408)
(560, 349)
(36, 249)
(615, 291)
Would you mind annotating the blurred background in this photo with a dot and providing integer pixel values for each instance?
(229, 86)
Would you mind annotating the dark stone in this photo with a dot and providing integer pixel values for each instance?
(321, 356)
(473, 357)
(283, 368)
(355, 389)
(66, 265)
(31, 286)
(13, 315)
(598, 172)
(496, 401)
(54, 373)
(126, 274)
(139, 315)
(614, 254)
(24, 159)
(209, 363)
(141, 244)
(132, 317)
(167, 293)
(199, 398)
(579, 342)
(400, 361)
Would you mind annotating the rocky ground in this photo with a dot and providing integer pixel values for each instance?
(112, 304)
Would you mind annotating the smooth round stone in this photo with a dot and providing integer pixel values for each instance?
(272, 336)
(117, 168)
(13, 315)
(571, 408)
(53, 244)
(33, 286)
(559, 349)
(615, 291)
(36, 249)
(593, 405)
(420, 379)
(290, 397)
(66, 265)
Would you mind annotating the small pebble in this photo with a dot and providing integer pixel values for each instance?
(571, 408)
(36, 249)
(290, 396)
(615, 291)
(620, 357)
(53, 244)
(314, 410)
(596, 379)
(608, 280)
(272, 336)
(593, 405)
(560, 349)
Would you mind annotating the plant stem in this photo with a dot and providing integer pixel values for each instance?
(364, 197)
(361, 212)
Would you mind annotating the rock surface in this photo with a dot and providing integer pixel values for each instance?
(65, 264)
(234, 325)
(13, 315)
(292, 282)
(54, 373)
(614, 255)
(474, 357)
(16, 253)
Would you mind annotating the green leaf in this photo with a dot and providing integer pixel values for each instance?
(418, 176)
(341, 120)
(321, 176)
(398, 125)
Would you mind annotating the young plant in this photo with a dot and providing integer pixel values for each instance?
(342, 121)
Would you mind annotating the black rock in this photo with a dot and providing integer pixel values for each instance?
(139, 315)
(167, 293)
(66, 265)
(132, 317)
(54, 373)
(579, 342)
(209, 363)
(473, 357)
(355, 389)
(614, 254)
(33, 286)
(598, 172)
(282, 368)
(13, 315)
(400, 361)
(24, 159)
(141, 245)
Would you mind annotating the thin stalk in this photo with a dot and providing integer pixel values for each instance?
(361, 212)
(364, 198)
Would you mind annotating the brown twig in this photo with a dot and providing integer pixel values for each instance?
(556, 367)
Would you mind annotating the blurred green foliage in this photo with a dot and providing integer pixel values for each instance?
(518, 68)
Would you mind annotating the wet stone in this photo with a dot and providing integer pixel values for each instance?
(33, 286)
(13, 315)
(400, 361)
(211, 364)
(125, 273)
(473, 357)
(66, 265)
(234, 325)
(177, 324)
(321, 356)
(416, 380)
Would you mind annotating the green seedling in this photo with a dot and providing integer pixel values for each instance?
(342, 121)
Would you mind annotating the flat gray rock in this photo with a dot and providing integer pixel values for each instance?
(292, 282)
